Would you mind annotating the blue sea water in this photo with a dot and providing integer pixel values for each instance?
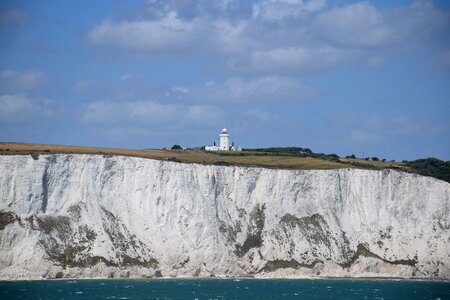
(224, 289)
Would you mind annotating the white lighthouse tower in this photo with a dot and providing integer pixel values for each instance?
(224, 143)
(224, 140)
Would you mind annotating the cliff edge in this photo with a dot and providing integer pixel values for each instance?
(77, 215)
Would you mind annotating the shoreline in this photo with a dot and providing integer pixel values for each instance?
(234, 278)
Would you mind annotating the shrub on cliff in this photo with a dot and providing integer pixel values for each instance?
(431, 167)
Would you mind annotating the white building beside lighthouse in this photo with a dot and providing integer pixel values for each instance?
(224, 143)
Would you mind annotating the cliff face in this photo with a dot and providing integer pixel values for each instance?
(95, 216)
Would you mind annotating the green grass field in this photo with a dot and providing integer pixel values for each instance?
(245, 158)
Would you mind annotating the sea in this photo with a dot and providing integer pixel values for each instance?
(225, 289)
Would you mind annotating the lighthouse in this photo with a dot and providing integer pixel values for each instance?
(224, 143)
(224, 140)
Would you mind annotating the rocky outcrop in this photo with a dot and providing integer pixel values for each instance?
(93, 216)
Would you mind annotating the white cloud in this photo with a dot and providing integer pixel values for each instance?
(13, 81)
(203, 114)
(167, 32)
(150, 113)
(301, 58)
(18, 108)
(355, 25)
(18, 102)
(236, 90)
(362, 25)
(277, 10)
(275, 35)
(153, 111)
(11, 105)
(127, 77)
(231, 37)
(180, 89)
(189, 9)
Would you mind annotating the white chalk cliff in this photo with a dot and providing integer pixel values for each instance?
(95, 216)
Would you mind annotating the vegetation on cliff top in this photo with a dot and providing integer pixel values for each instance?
(431, 167)
(283, 158)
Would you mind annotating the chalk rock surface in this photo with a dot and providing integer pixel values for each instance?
(112, 216)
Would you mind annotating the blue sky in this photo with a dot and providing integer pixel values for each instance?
(365, 77)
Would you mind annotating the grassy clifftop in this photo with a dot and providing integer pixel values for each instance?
(275, 158)
(255, 158)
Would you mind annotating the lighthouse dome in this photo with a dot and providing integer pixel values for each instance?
(224, 130)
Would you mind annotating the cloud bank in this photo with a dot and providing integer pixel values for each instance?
(273, 35)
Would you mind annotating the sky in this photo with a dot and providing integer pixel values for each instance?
(370, 78)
